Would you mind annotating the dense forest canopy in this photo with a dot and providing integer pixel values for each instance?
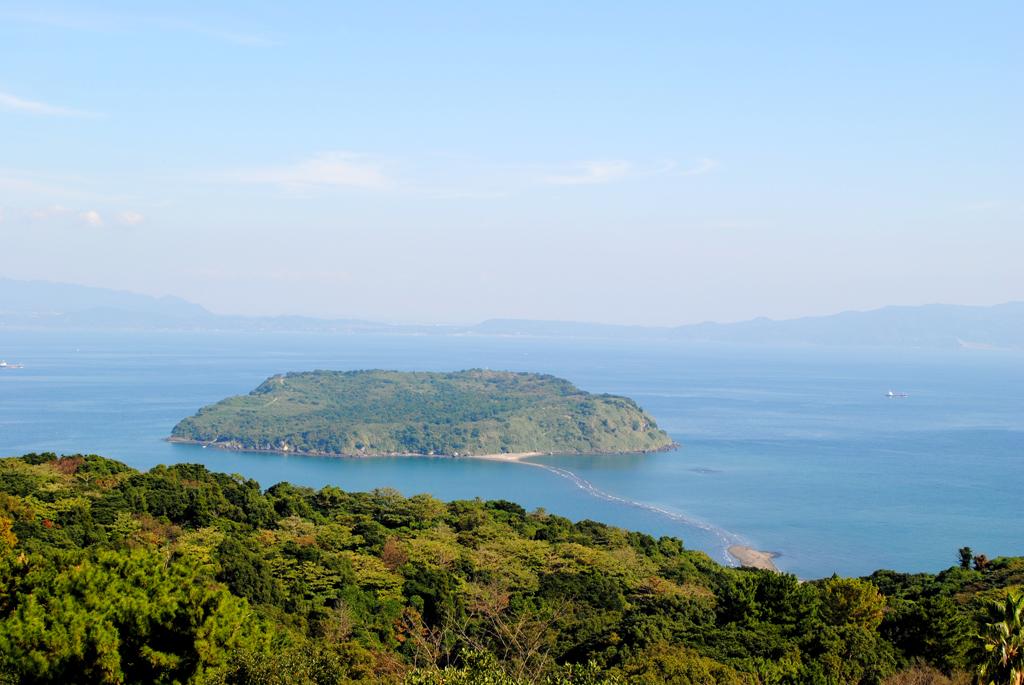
(182, 575)
(389, 412)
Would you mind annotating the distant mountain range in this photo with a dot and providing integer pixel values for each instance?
(60, 306)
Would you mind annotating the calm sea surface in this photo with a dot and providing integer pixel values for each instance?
(794, 451)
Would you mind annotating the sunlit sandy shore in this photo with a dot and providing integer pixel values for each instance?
(511, 456)
(754, 558)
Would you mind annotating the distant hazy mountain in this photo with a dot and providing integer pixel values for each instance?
(933, 325)
(567, 329)
(42, 305)
(45, 299)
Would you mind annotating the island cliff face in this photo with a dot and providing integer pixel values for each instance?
(464, 413)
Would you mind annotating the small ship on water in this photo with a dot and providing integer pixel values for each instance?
(5, 365)
(896, 395)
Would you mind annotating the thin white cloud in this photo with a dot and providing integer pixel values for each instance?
(251, 40)
(44, 213)
(17, 104)
(464, 194)
(326, 170)
(247, 39)
(592, 173)
(130, 218)
(91, 217)
(94, 20)
(704, 165)
(67, 216)
(305, 275)
(55, 189)
(982, 206)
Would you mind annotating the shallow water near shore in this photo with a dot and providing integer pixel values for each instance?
(793, 451)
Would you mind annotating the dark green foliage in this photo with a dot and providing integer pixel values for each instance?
(183, 575)
(246, 573)
(389, 412)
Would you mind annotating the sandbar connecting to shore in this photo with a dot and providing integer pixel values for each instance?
(734, 552)
(746, 556)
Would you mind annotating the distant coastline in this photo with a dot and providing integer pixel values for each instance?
(39, 305)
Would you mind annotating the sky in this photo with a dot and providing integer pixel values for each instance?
(651, 163)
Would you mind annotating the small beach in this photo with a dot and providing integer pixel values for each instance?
(753, 558)
(510, 456)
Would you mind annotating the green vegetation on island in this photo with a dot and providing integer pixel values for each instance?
(477, 412)
(180, 575)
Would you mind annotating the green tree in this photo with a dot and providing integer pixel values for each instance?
(127, 616)
(850, 650)
(1002, 660)
(663, 664)
(850, 601)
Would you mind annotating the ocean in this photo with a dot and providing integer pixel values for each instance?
(795, 451)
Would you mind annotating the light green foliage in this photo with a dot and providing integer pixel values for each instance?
(852, 602)
(1002, 634)
(481, 668)
(122, 616)
(389, 412)
(662, 664)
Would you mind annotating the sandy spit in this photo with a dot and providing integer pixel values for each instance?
(753, 558)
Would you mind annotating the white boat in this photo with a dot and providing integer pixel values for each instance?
(5, 365)
(896, 395)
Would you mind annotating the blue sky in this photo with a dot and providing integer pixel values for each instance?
(655, 163)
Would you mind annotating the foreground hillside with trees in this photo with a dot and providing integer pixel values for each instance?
(178, 575)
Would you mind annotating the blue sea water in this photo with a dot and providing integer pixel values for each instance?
(796, 451)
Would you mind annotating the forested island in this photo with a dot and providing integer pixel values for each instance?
(464, 413)
(179, 574)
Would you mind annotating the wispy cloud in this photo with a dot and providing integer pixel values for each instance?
(303, 275)
(608, 171)
(252, 40)
(93, 218)
(592, 173)
(438, 179)
(48, 188)
(94, 20)
(130, 218)
(51, 212)
(325, 170)
(90, 217)
(982, 206)
(704, 165)
(15, 103)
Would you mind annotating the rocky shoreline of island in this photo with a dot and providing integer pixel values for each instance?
(234, 446)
